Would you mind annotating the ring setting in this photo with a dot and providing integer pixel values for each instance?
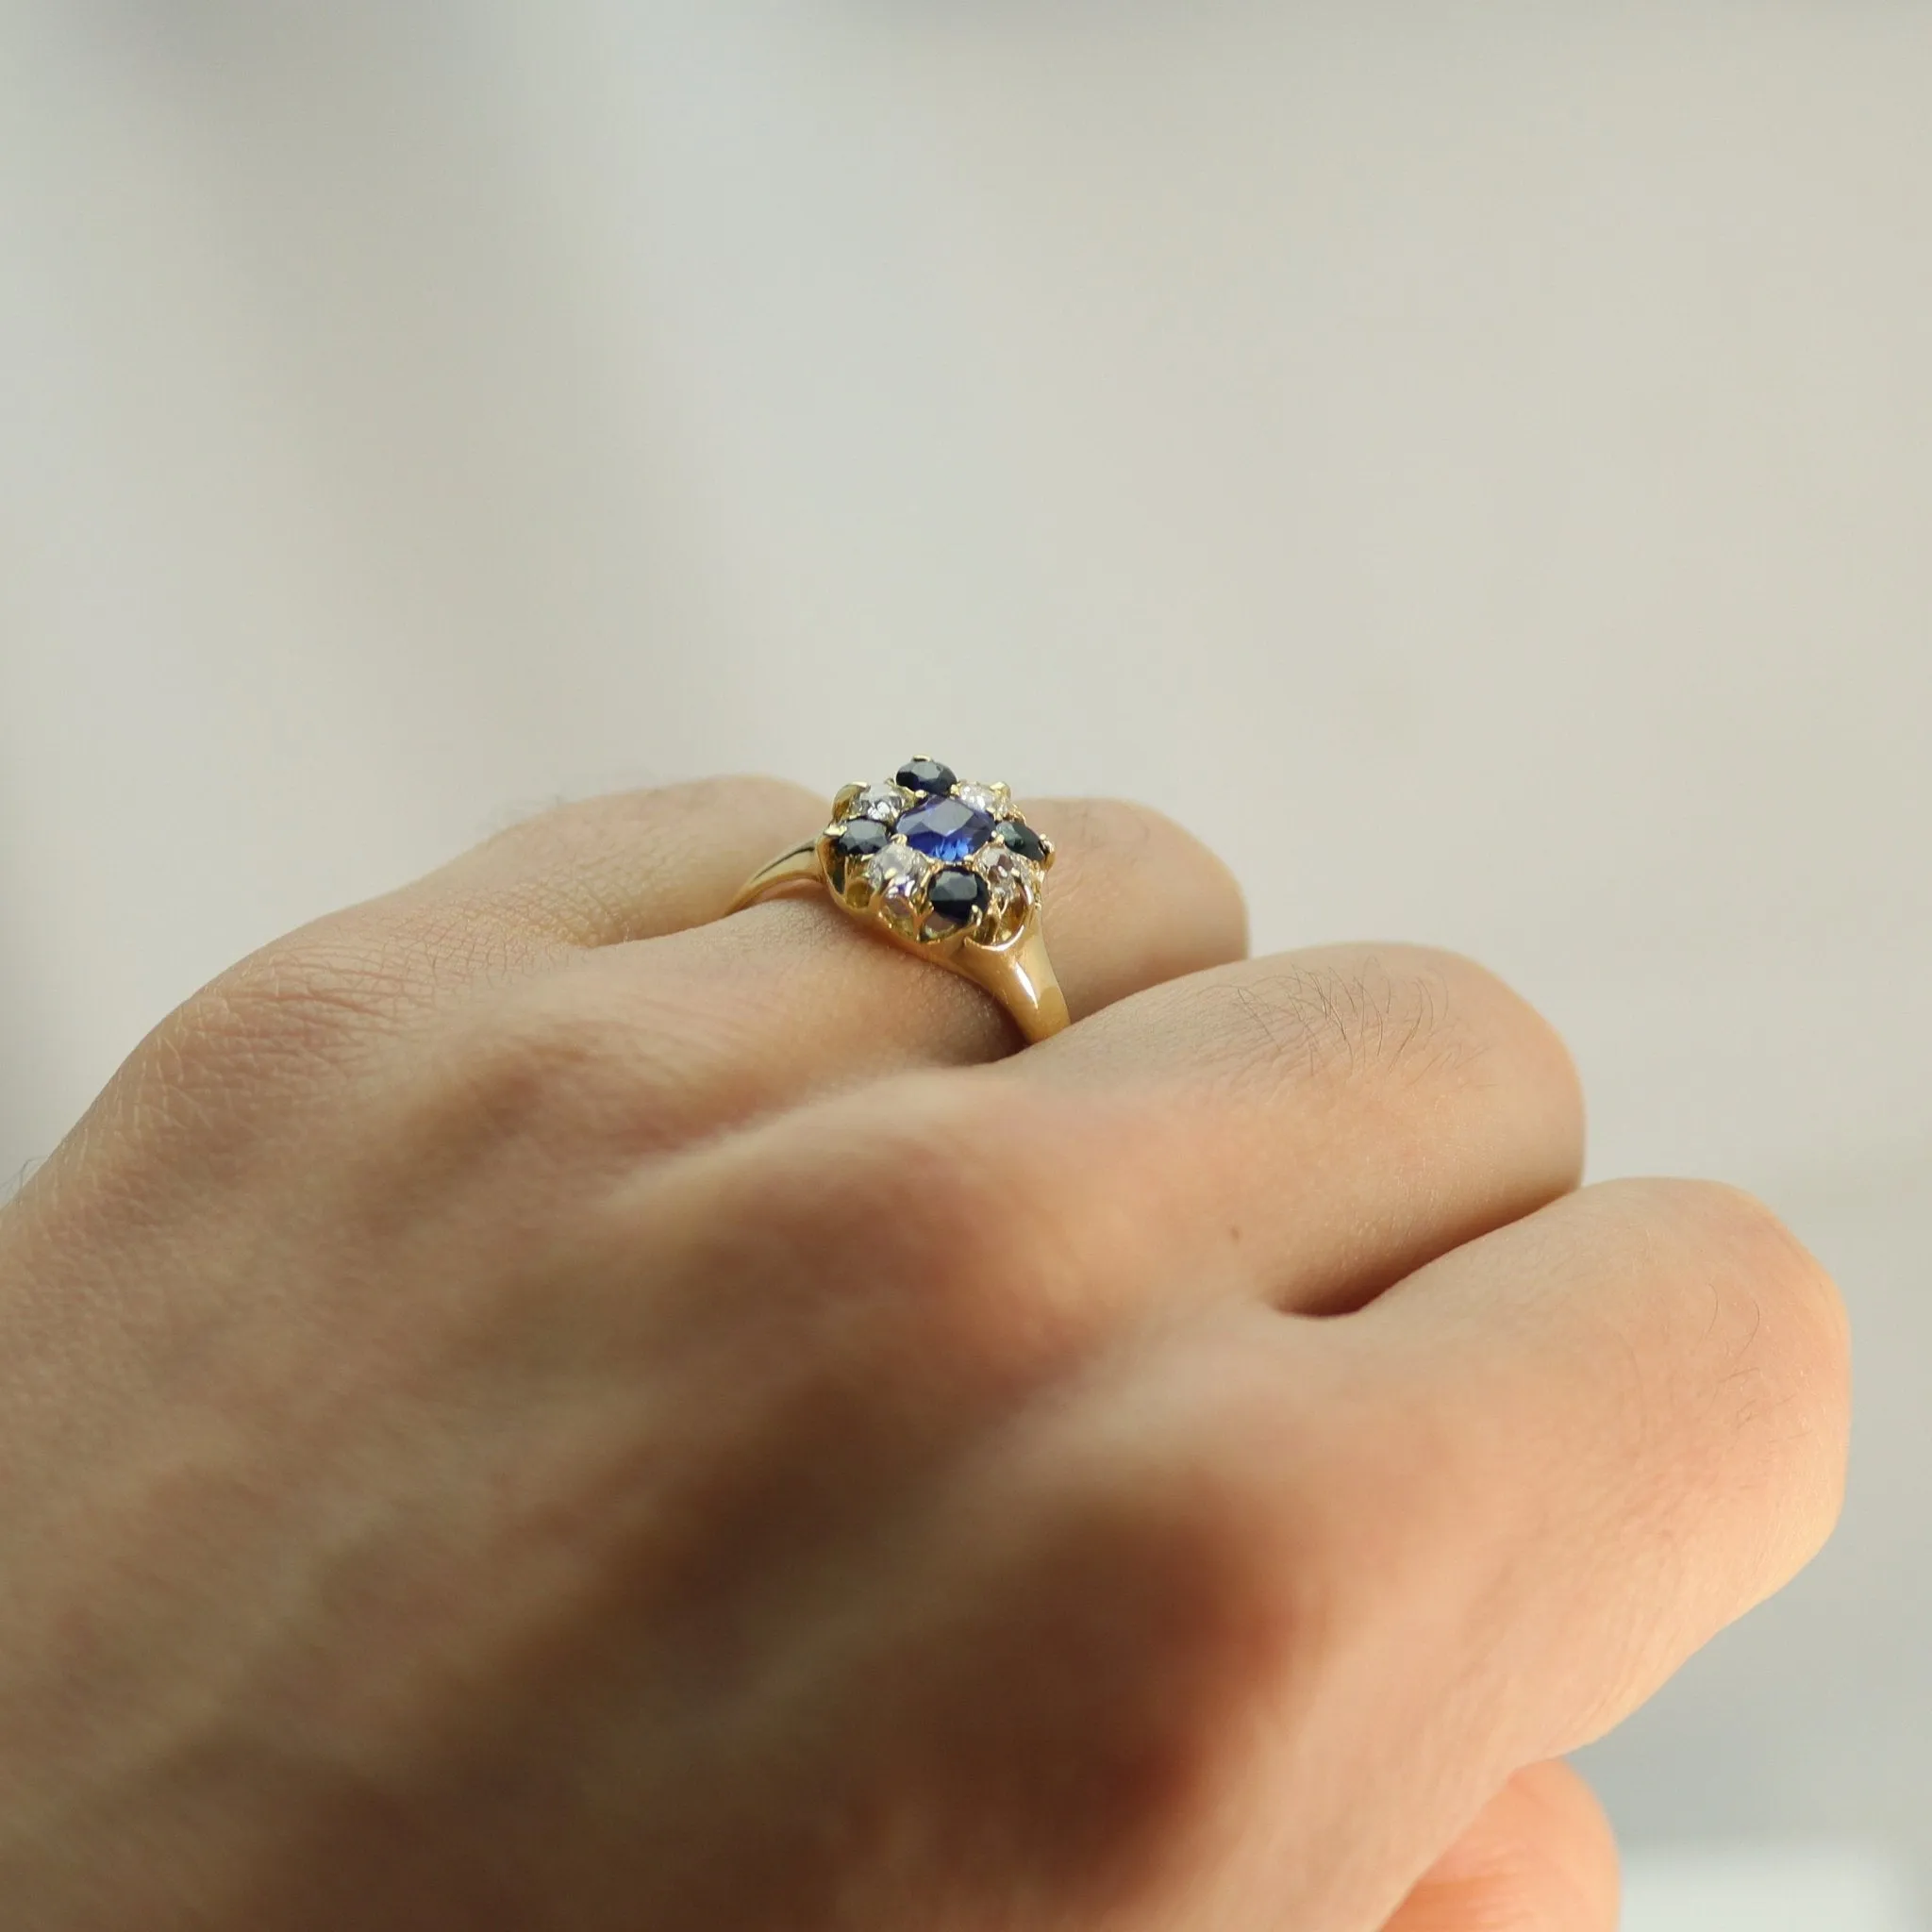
(947, 868)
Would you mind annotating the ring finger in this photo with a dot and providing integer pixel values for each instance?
(1133, 900)
(786, 999)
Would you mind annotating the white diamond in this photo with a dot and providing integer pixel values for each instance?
(898, 869)
(882, 802)
(1012, 880)
(1002, 868)
(990, 799)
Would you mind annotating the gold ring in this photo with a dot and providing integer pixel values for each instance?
(947, 869)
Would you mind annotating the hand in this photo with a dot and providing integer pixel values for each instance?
(530, 1405)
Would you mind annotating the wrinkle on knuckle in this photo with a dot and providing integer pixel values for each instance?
(286, 1019)
(594, 872)
(995, 1281)
(1781, 1338)
(1059, 1184)
(920, 1233)
(1317, 1026)
(584, 825)
(548, 1070)
(467, 939)
(1740, 1416)
(1764, 1303)
(308, 995)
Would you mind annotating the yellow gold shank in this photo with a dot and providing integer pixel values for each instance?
(1016, 972)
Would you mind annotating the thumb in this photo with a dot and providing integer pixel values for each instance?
(1540, 1859)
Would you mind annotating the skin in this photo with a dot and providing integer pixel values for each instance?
(529, 1404)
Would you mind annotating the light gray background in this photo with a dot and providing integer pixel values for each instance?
(1474, 462)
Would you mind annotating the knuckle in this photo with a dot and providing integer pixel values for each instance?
(1764, 1336)
(282, 1014)
(961, 1145)
(547, 1064)
(1393, 1019)
(1799, 1317)
(592, 870)
(295, 1021)
(919, 1224)
(1747, 1247)
(301, 995)
(1323, 1020)
(576, 828)
(1003, 1266)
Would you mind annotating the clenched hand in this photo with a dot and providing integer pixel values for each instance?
(530, 1405)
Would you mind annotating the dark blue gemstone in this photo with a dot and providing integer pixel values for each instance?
(862, 838)
(1021, 838)
(955, 897)
(925, 774)
(946, 829)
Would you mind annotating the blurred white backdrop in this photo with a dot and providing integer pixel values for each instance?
(1471, 461)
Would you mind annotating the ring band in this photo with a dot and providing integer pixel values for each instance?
(947, 869)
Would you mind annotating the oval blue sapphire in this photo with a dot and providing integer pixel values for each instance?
(862, 838)
(1023, 839)
(957, 898)
(946, 829)
(925, 775)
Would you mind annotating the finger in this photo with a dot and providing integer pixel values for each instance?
(1643, 1390)
(630, 866)
(1325, 1121)
(1540, 1859)
(1133, 899)
(792, 997)
(594, 873)
(1476, 1523)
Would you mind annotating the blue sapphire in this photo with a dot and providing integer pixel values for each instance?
(957, 898)
(946, 829)
(925, 774)
(862, 838)
(1021, 838)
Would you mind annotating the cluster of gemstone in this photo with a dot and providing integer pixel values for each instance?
(935, 857)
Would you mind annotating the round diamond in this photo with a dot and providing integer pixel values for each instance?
(882, 802)
(1007, 872)
(925, 775)
(990, 799)
(1011, 883)
(946, 829)
(898, 871)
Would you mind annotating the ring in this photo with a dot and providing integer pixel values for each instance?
(947, 869)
